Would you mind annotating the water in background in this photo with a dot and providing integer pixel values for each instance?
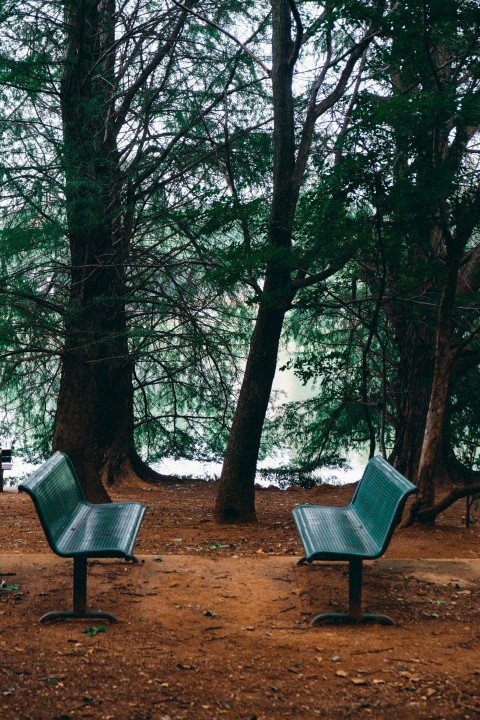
(211, 470)
(286, 388)
(20, 469)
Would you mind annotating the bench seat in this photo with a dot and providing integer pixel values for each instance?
(107, 530)
(331, 533)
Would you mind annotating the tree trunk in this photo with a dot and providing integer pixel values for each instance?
(94, 419)
(95, 398)
(432, 440)
(412, 396)
(236, 496)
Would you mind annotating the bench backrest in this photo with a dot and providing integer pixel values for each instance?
(380, 498)
(56, 493)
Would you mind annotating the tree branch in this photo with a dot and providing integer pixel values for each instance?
(299, 34)
(227, 34)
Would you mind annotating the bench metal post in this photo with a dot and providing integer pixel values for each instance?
(79, 597)
(355, 613)
(355, 571)
(79, 586)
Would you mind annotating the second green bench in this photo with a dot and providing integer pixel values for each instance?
(362, 530)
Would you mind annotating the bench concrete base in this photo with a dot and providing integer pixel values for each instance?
(345, 618)
(67, 614)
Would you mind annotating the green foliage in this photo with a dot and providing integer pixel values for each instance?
(324, 428)
(94, 630)
(8, 588)
(409, 132)
(195, 147)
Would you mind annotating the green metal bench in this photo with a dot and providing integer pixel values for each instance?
(359, 531)
(75, 528)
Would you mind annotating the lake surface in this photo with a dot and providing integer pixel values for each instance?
(286, 388)
(212, 470)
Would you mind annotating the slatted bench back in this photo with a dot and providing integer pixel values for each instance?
(57, 495)
(379, 500)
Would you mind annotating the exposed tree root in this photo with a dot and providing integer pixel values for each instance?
(463, 481)
(428, 515)
(148, 475)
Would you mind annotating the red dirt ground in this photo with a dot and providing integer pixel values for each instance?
(214, 622)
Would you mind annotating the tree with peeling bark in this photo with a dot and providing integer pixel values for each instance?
(113, 178)
(96, 387)
(285, 274)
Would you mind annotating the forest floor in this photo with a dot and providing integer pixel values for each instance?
(214, 620)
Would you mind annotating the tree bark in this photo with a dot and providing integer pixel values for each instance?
(448, 218)
(235, 501)
(435, 422)
(94, 418)
(412, 395)
(95, 390)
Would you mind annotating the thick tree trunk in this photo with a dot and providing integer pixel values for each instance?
(236, 496)
(94, 418)
(89, 168)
